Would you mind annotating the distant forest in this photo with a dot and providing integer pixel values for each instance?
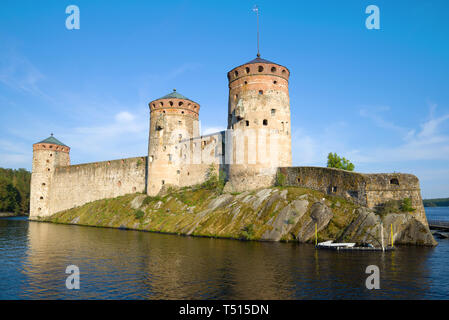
(442, 202)
(15, 191)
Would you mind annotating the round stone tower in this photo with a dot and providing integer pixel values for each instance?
(47, 155)
(172, 118)
(259, 116)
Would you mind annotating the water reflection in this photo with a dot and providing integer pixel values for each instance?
(118, 264)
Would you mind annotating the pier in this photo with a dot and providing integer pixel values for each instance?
(438, 225)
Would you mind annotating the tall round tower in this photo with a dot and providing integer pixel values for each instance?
(259, 116)
(47, 155)
(172, 118)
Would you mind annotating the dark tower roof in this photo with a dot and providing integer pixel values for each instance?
(52, 140)
(175, 95)
(260, 60)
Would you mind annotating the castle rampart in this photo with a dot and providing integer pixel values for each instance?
(76, 185)
(370, 190)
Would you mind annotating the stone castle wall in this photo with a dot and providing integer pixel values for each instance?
(370, 190)
(76, 185)
(197, 155)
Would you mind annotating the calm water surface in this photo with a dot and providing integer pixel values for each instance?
(121, 264)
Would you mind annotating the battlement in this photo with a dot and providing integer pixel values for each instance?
(258, 67)
(174, 103)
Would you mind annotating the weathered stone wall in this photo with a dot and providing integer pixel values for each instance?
(76, 185)
(259, 117)
(197, 155)
(370, 190)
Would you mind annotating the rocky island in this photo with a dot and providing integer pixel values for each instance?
(270, 214)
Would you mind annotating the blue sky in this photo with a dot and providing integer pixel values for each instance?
(377, 97)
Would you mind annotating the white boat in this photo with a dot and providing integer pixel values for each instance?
(330, 244)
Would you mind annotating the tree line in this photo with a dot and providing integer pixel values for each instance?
(441, 202)
(15, 190)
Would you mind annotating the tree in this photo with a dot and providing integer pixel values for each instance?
(13, 182)
(334, 161)
(9, 197)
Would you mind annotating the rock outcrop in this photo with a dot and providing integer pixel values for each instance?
(270, 214)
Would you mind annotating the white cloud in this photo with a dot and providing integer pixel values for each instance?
(426, 143)
(210, 130)
(124, 116)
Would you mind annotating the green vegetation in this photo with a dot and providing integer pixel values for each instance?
(15, 191)
(406, 205)
(214, 181)
(396, 206)
(281, 179)
(139, 214)
(441, 202)
(247, 232)
(334, 161)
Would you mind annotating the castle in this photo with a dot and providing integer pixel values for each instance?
(255, 148)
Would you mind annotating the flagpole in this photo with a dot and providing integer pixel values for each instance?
(256, 10)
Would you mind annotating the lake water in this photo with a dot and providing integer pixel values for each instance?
(123, 264)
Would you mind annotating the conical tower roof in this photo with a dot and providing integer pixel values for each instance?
(53, 140)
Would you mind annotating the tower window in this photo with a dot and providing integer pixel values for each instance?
(275, 82)
(265, 122)
(236, 73)
(48, 169)
(246, 82)
(169, 157)
(43, 183)
(284, 72)
(247, 70)
(163, 182)
(260, 91)
(394, 181)
(163, 111)
(260, 69)
(171, 103)
(247, 123)
(180, 103)
(162, 104)
(179, 122)
(178, 171)
(273, 69)
(41, 198)
(273, 112)
(334, 189)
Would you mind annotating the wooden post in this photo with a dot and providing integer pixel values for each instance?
(392, 240)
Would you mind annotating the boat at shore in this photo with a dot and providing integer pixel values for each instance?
(350, 246)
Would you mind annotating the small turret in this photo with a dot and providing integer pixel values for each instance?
(47, 155)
